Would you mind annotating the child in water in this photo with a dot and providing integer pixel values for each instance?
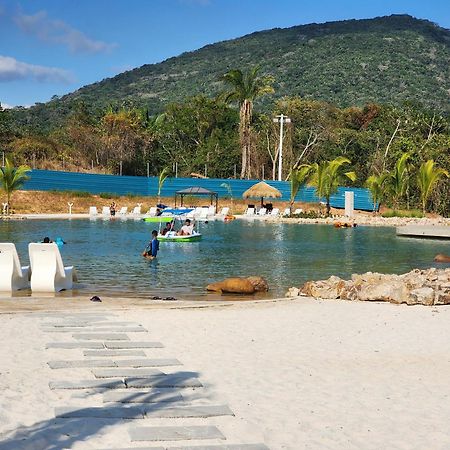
(152, 248)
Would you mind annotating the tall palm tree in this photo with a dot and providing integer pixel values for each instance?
(245, 88)
(327, 177)
(398, 180)
(298, 178)
(12, 178)
(161, 179)
(427, 177)
(377, 187)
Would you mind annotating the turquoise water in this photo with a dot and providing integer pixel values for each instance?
(107, 257)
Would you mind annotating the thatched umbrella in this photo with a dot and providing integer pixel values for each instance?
(261, 189)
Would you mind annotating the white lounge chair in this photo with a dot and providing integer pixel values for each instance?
(287, 212)
(298, 211)
(262, 211)
(224, 211)
(48, 273)
(123, 211)
(275, 212)
(12, 275)
(106, 211)
(211, 211)
(250, 212)
(204, 213)
(136, 211)
(152, 211)
(93, 211)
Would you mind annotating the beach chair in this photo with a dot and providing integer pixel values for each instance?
(211, 211)
(287, 212)
(224, 211)
(204, 212)
(152, 211)
(136, 211)
(275, 212)
(48, 273)
(106, 211)
(298, 211)
(262, 211)
(93, 211)
(250, 211)
(13, 276)
(123, 211)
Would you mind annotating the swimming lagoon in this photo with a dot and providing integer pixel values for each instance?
(107, 254)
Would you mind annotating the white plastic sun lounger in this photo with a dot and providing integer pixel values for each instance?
(123, 211)
(106, 211)
(298, 211)
(224, 211)
(48, 273)
(152, 211)
(136, 211)
(250, 212)
(275, 212)
(287, 212)
(92, 210)
(262, 212)
(12, 275)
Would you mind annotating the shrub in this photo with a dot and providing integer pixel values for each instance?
(415, 213)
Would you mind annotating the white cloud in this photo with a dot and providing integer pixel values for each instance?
(12, 70)
(5, 105)
(59, 32)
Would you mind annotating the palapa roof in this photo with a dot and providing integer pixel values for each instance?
(262, 189)
(196, 190)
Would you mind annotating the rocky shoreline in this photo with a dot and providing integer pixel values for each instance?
(419, 287)
(369, 220)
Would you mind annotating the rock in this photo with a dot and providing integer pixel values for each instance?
(232, 286)
(424, 287)
(293, 292)
(259, 283)
(442, 258)
(423, 296)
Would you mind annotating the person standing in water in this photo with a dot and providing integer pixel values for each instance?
(152, 248)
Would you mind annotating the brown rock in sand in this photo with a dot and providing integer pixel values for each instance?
(442, 258)
(259, 283)
(232, 286)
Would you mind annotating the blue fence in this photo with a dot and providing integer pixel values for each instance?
(47, 180)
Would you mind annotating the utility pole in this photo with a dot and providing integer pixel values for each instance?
(281, 119)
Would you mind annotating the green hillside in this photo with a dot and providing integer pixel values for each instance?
(383, 60)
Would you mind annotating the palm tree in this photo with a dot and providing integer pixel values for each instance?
(12, 178)
(398, 180)
(298, 178)
(161, 179)
(245, 89)
(327, 177)
(427, 177)
(377, 187)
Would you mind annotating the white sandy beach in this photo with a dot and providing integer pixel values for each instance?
(299, 374)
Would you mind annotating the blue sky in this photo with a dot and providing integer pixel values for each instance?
(52, 47)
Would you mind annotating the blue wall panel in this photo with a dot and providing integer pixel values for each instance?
(47, 180)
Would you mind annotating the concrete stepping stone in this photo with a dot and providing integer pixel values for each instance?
(142, 411)
(175, 433)
(102, 336)
(90, 329)
(67, 345)
(161, 362)
(127, 345)
(80, 363)
(220, 447)
(158, 381)
(112, 412)
(87, 384)
(134, 396)
(97, 353)
(124, 372)
(200, 411)
(91, 324)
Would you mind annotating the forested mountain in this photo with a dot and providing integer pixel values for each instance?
(354, 62)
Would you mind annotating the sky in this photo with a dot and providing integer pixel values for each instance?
(53, 47)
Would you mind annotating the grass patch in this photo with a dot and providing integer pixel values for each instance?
(309, 215)
(414, 213)
(108, 195)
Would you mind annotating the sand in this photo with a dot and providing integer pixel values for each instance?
(298, 374)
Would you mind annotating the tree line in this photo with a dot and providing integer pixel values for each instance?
(230, 135)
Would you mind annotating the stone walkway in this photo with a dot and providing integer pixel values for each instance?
(135, 388)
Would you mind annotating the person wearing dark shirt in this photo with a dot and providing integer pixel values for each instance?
(152, 248)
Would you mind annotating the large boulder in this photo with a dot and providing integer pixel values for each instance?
(232, 286)
(259, 283)
(442, 258)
